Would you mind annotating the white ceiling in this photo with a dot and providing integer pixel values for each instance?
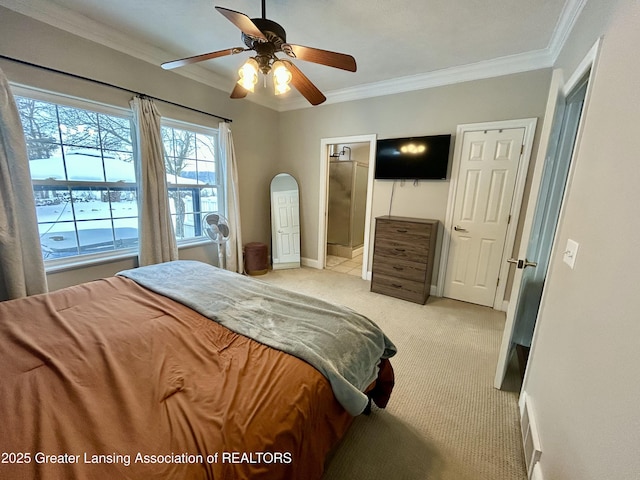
(399, 45)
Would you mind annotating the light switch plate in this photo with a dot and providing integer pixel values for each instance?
(570, 252)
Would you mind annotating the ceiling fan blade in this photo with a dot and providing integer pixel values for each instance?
(243, 22)
(323, 57)
(239, 91)
(200, 58)
(304, 85)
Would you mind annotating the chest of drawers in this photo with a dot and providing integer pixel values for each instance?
(403, 256)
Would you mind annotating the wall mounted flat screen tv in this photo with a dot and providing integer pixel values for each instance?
(413, 158)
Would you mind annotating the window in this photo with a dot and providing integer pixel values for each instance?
(83, 174)
(193, 179)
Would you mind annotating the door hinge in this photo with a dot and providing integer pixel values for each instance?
(498, 282)
(521, 149)
(509, 220)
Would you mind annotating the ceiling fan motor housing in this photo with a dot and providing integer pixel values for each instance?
(273, 31)
(266, 51)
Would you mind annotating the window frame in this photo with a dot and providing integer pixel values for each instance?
(86, 259)
(92, 259)
(218, 185)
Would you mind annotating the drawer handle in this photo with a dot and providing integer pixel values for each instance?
(395, 267)
(401, 230)
(395, 285)
(400, 250)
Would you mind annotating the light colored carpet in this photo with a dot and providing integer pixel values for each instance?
(445, 421)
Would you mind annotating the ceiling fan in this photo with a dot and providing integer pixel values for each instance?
(267, 38)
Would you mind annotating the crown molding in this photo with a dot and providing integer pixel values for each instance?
(544, 58)
(72, 22)
(566, 22)
(448, 76)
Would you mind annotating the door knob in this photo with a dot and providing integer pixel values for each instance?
(459, 229)
(522, 263)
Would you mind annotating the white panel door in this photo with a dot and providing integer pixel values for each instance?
(287, 226)
(485, 186)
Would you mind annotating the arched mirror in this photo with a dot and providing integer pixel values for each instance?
(285, 222)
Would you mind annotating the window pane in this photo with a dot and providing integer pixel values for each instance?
(58, 240)
(53, 204)
(167, 141)
(124, 204)
(171, 173)
(187, 173)
(79, 127)
(46, 167)
(181, 202)
(119, 166)
(43, 150)
(126, 233)
(209, 200)
(88, 204)
(95, 236)
(207, 172)
(183, 143)
(81, 149)
(115, 132)
(40, 126)
(205, 147)
(84, 164)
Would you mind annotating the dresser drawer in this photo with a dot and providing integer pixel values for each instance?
(403, 231)
(396, 267)
(397, 251)
(399, 287)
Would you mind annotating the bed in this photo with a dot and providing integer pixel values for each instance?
(183, 371)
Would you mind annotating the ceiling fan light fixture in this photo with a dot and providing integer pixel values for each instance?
(281, 77)
(267, 38)
(248, 74)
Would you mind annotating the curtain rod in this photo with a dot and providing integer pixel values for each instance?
(80, 77)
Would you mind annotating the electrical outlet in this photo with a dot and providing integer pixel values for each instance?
(570, 252)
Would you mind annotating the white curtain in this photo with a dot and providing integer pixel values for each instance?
(155, 228)
(21, 265)
(234, 258)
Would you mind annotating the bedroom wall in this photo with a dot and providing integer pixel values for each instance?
(582, 377)
(432, 111)
(254, 127)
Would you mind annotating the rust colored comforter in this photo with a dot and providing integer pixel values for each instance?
(108, 380)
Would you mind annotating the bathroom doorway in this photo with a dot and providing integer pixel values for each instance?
(347, 206)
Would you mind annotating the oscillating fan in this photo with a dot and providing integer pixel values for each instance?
(216, 226)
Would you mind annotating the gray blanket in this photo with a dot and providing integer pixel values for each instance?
(343, 345)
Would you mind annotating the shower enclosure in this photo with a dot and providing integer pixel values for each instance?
(347, 206)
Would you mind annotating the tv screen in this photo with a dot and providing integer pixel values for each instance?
(413, 158)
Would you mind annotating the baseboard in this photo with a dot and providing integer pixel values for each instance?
(530, 438)
(284, 266)
(309, 262)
